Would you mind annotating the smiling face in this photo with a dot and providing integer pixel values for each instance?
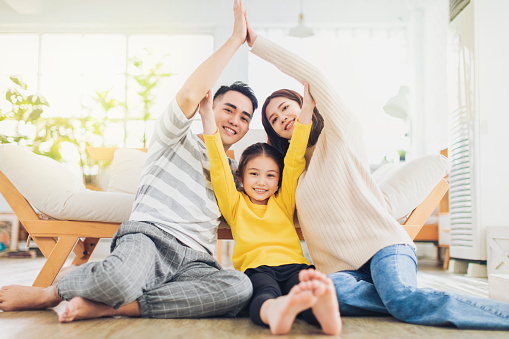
(281, 113)
(260, 179)
(233, 112)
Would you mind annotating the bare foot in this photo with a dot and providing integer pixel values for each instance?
(280, 313)
(80, 308)
(21, 298)
(326, 308)
(307, 275)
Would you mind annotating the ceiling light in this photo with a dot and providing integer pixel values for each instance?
(301, 30)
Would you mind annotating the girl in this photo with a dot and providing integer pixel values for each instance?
(267, 247)
(349, 232)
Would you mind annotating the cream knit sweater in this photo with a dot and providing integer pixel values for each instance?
(342, 212)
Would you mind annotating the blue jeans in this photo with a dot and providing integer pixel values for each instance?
(387, 285)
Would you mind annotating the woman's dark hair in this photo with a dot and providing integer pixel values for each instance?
(257, 150)
(281, 144)
(242, 88)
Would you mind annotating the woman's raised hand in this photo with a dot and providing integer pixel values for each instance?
(308, 105)
(240, 26)
(251, 33)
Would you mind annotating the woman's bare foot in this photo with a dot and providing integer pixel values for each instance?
(80, 308)
(280, 313)
(326, 308)
(21, 298)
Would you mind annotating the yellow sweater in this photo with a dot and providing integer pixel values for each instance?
(263, 234)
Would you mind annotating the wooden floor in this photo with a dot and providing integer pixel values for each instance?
(44, 324)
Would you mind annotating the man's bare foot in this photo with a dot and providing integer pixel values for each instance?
(21, 298)
(326, 308)
(280, 313)
(80, 308)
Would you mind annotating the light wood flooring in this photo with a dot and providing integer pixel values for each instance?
(44, 324)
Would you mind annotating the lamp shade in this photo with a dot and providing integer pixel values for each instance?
(398, 105)
(301, 30)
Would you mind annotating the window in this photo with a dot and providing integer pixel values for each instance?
(68, 69)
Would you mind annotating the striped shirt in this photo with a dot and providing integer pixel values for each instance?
(175, 192)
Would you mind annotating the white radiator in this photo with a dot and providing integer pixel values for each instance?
(467, 236)
(478, 118)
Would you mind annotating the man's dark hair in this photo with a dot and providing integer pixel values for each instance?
(242, 88)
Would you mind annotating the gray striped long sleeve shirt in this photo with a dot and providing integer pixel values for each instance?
(175, 192)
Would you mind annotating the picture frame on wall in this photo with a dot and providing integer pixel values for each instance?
(9, 227)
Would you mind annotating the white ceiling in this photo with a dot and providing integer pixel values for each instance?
(198, 13)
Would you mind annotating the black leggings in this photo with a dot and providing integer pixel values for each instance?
(270, 282)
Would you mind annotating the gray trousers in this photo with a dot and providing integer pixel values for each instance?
(167, 278)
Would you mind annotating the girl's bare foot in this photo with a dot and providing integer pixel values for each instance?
(326, 308)
(280, 313)
(80, 308)
(21, 298)
(309, 274)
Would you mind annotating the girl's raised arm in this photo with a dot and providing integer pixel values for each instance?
(207, 114)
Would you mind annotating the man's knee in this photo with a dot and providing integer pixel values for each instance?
(114, 285)
(242, 285)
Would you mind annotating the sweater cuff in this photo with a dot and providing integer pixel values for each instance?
(302, 127)
(261, 44)
(213, 139)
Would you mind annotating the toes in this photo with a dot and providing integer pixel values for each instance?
(307, 274)
(319, 289)
(303, 275)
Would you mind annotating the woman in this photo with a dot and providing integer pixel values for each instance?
(350, 234)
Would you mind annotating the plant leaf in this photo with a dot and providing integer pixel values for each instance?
(19, 81)
(35, 114)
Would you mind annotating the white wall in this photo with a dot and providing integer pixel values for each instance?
(493, 72)
(433, 104)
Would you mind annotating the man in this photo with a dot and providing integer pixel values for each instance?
(161, 265)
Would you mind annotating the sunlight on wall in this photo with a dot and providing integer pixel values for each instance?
(366, 65)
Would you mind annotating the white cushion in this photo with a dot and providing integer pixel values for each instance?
(55, 191)
(406, 185)
(98, 206)
(125, 170)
